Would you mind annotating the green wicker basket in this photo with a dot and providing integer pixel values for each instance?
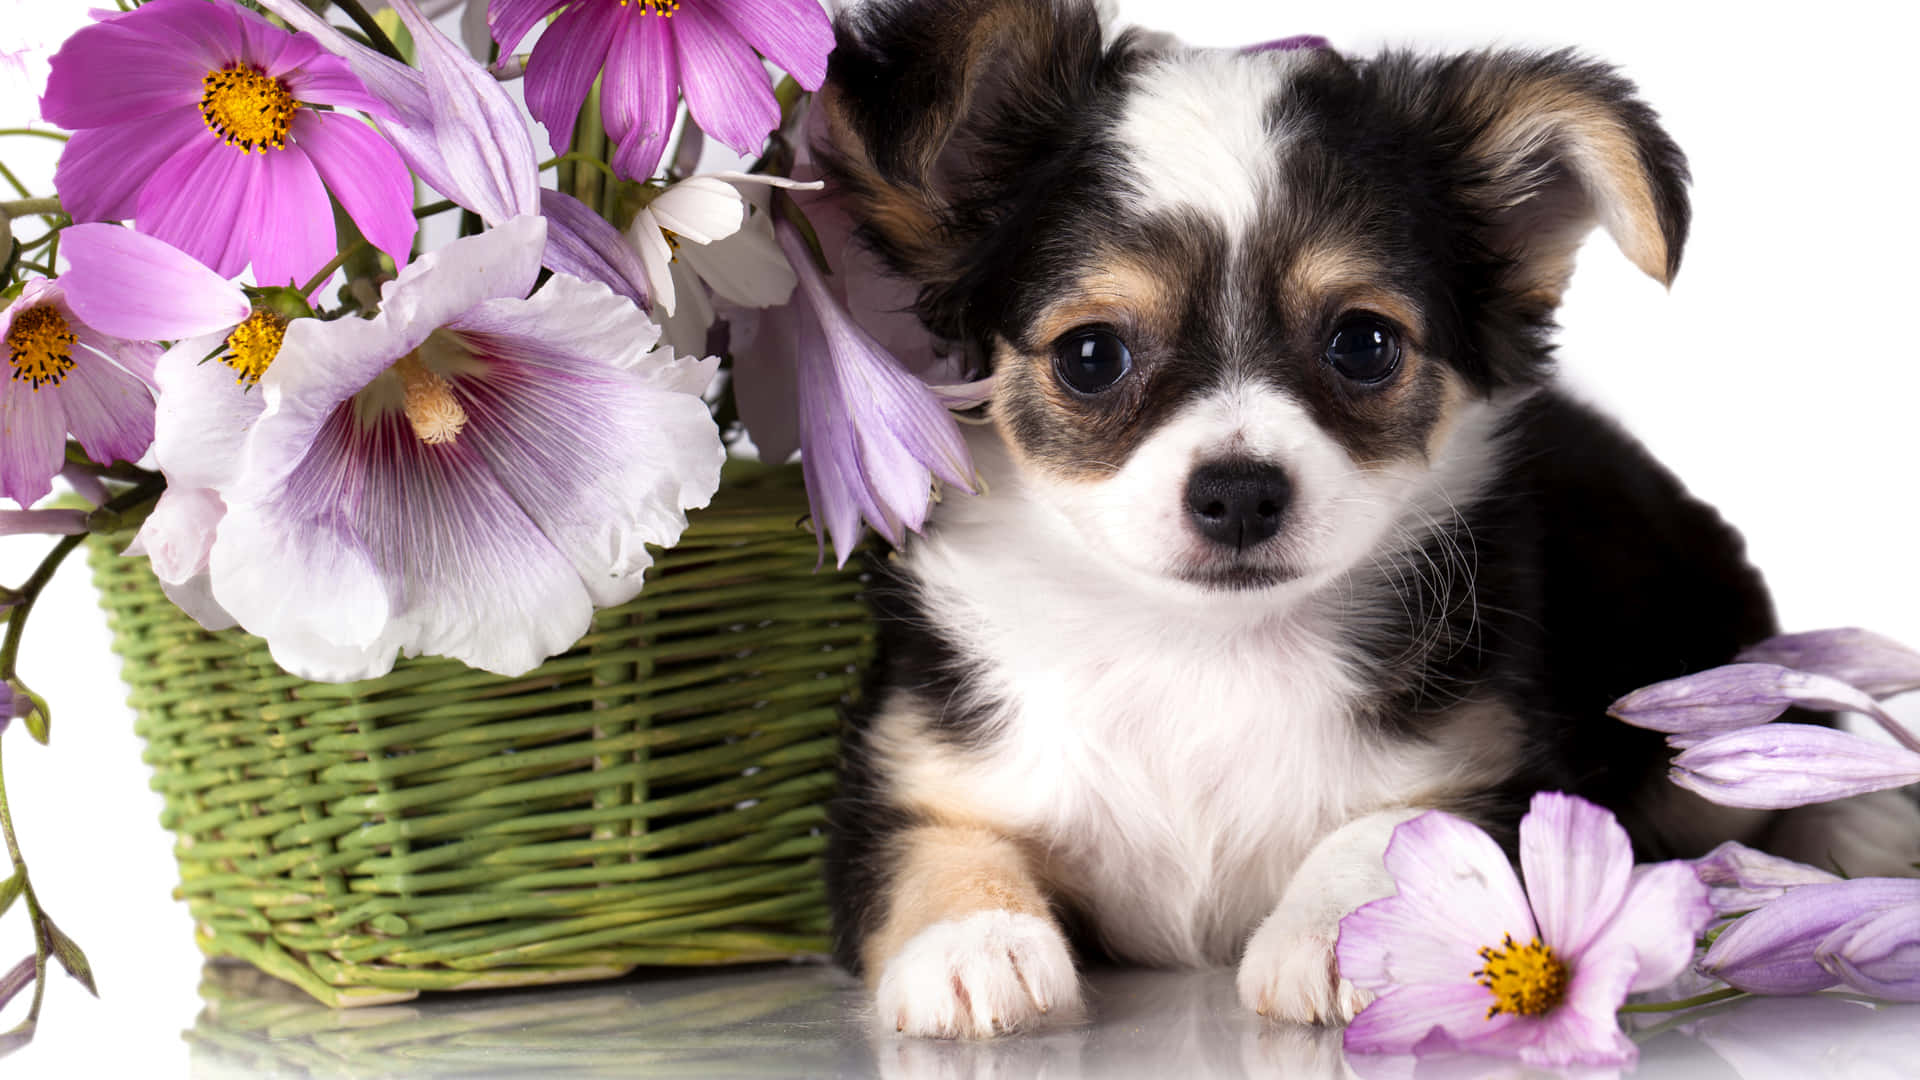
(653, 796)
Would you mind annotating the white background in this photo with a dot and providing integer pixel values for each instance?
(1778, 378)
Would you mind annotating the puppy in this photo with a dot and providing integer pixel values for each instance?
(1289, 536)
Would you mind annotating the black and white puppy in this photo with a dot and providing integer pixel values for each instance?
(1288, 535)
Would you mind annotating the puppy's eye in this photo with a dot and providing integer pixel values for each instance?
(1365, 349)
(1091, 361)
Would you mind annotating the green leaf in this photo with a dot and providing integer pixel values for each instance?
(10, 890)
(71, 957)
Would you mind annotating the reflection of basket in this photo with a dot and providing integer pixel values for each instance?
(651, 797)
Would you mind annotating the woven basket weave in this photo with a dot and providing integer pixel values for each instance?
(651, 797)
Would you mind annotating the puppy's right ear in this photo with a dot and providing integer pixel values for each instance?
(938, 114)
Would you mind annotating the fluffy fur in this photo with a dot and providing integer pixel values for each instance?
(1093, 724)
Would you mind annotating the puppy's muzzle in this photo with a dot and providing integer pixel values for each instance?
(1238, 504)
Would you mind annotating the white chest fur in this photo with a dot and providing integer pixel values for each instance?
(1174, 756)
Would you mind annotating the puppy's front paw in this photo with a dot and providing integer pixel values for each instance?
(1290, 973)
(986, 974)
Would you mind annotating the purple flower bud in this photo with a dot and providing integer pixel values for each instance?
(1772, 951)
(1732, 697)
(50, 522)
(1738, 878)
(1877, 953)
(1776, 766)
(1877, 665)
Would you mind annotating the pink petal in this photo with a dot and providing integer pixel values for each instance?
(112, 73)
(33, 439)
(1663, 912)
(102, 170)
(291, 231)
(266, 46)
(1577, 861)
(108, 410)
(199, 202)
(133, 286)
(365, 173)
(1404, 1017)
(641, 95)
(726, 85)
(328, 80)
(510, 20)
(1583, 1029)
(564, 64)
(795, 34)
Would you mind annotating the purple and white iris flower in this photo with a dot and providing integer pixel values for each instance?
(1863, 934)
(1734, 753)
(468, 474)
(1462, 959)
(64, 376)
(196, 120)
(653, 49)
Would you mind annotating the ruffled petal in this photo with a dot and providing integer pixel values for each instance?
(33, 440)
(641, 95)
(136, 287)
(605, 453)
(114, 73)
(203, 415)
(366, 174)
(1577, 861)
(109, 410)
(565, 61)
(583, 244)
(1663, 912)
(102, 170)
(291, 235)
(726, 85)
(178, 535)
(795, 34)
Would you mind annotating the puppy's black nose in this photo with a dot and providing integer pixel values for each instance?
(1237, 503)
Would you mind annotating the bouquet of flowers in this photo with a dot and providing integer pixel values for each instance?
(377, 381)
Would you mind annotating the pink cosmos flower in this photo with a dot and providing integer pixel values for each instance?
(651, 50)
(64, 376)
(195, 120)
(468, 474)
(1462, 959)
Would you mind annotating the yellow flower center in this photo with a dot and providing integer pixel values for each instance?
(246, 108)
(1525, 980)
(40, 345)
(431, 408)
(253, 344)
(662, 8)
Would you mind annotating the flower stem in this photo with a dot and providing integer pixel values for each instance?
(30, 592)
(1725, 993)
(333, 264)
(42, 944)
(15, 181)
(375, 36)
(54, 135)
(23, 207)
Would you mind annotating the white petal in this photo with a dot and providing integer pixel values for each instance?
(700, 208)
(656, 255)
(202, 416)
(747, 268)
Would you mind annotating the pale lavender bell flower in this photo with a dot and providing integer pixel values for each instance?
(1740, 879)
(873, 436)
(1875, 664)
(1860, 933)
(1777, 766)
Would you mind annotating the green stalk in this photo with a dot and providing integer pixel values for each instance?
(30, 592)
(24, 206)
(54, 135)
(41, 944)
(375, 36)
(335, 263)
(1725, 993)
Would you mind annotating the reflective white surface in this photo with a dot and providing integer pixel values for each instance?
(811, 1021)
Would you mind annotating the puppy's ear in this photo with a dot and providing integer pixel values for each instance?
(940, 115)
(1550, 146)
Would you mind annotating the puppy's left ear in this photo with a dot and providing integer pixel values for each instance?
(1552, 145)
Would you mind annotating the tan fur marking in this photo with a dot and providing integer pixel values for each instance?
(946, 872)
(1121, 292)
(1546, 113)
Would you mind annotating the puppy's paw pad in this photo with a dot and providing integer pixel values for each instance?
(983, 975)
(1290, 974)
